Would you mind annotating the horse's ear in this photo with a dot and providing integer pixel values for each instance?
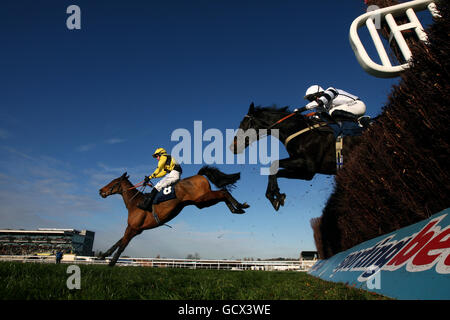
(252, 108)
(124, 175)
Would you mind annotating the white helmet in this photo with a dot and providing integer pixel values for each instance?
(313, 92)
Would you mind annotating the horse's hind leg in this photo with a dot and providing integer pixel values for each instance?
(213, 197)
(234, 202)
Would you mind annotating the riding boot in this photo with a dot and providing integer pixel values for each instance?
(147, 203)
(325, 116)
(340, 115)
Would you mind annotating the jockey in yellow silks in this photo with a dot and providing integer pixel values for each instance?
(167, 168)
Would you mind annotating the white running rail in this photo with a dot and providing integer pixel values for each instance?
(386, 69)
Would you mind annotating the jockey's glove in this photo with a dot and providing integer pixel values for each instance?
(311, 105)
(320, 103)
(146, 180)
(300, 110)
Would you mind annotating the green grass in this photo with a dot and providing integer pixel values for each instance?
(32, 281)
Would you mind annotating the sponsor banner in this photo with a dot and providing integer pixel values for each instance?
(410, 263)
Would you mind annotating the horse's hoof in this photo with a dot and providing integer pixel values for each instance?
(275, 204)
(245, 205)
(282, 198)
(239, 211)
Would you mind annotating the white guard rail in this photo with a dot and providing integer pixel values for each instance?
(386, 69)
(271, 265)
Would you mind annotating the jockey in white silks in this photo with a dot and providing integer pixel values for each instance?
(339, 104)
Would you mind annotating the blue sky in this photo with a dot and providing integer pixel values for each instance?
(80, 107)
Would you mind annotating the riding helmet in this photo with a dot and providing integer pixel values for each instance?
(313, 92)
(159, 152)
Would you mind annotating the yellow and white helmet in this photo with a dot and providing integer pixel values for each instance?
(313, 92)
(159, 152)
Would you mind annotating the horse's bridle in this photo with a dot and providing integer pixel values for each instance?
(118, 183)
(250, 120)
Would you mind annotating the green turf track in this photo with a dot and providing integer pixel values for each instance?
(39, 281)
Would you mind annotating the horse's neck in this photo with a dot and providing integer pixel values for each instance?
(129, 196)
(288, 126)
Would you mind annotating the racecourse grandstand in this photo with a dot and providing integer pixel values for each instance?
(46, 241)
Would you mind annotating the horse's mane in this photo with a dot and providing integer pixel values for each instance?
(272, 109)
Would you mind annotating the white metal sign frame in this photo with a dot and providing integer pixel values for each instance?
(386, 69)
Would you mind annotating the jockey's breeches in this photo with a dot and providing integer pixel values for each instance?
(357, 107)
(172, 177)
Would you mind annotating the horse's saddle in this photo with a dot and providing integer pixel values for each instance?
(346, 128)
(342, 129)
(166, 193)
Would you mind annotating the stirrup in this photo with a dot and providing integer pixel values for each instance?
(364, 121)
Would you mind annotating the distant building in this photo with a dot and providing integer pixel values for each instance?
(46, 241)
(309, 255)
(308, 259)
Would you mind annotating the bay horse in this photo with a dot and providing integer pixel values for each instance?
(311, 151)
(195, 190)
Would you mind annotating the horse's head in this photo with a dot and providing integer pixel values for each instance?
(255, 125)
(115, 186)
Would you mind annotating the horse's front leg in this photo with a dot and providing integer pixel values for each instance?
(111, 250)
(294, 168)
(273, 193)
(130, 233)
(234, 205)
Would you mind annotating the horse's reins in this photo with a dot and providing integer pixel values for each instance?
(282, 119)
(140, 184)
(118, 183)
(292, 136)
(274, 124)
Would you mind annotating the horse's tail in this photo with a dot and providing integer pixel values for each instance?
(218, 178)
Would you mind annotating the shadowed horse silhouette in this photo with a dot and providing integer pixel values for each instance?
(194, 190)
(310, 152)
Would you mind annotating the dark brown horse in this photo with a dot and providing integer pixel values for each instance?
(310, 143)
(194, 190)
